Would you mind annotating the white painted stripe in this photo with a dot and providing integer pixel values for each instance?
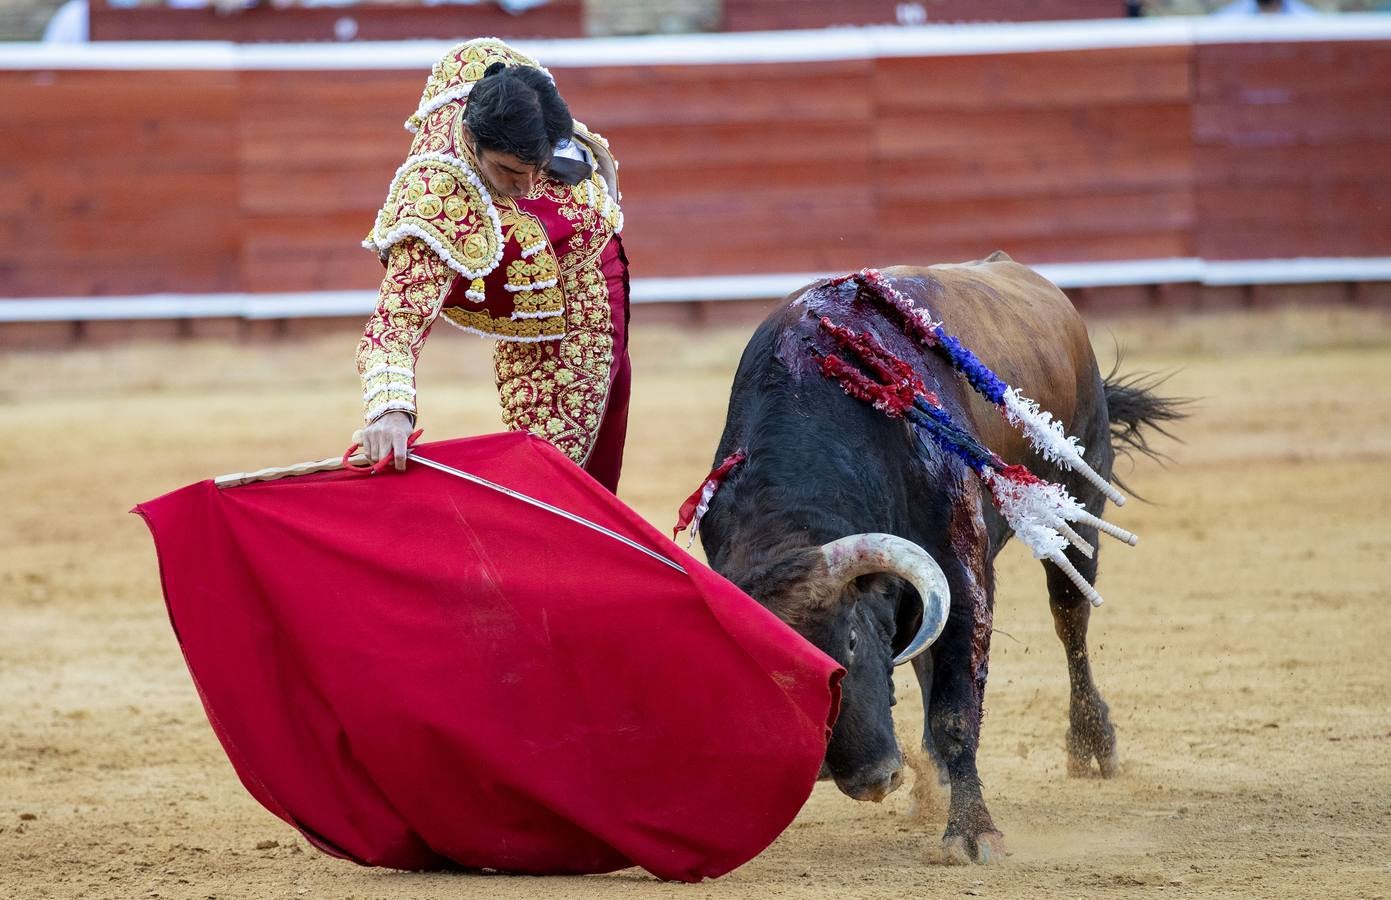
(1307, 270)
(813, 45)
(308, 305)
(122, 55)
(189, 306)
(161, 306)
(718, 287)
(688, 290)
(1123, 272)
(1278, 29)
(1031, 37)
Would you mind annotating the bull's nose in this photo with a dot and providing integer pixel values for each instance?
(873, 784)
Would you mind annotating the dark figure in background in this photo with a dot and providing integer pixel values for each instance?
(1265, 7)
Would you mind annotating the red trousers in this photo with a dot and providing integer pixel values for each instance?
(605, 461)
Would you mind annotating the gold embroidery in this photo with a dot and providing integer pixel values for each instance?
(409, 300)
(464, 64)
(538, 266)
(436, 133)
(581, 204)
(558, 390)
(506, 330)
(440, 201)
(524, 230)
(549, 302)
(524, 275)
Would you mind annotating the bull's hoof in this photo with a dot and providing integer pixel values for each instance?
(1082, 748)
(986, 848)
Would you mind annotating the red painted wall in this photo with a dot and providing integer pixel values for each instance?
(139, 182)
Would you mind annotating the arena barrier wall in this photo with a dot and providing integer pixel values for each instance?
(222, 177)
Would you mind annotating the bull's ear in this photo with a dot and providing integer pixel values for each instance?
(782, 583)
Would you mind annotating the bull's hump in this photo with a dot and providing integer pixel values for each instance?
(1015, 321)
(998, 273)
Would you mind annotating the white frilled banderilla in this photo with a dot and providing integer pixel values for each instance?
(1041, 513)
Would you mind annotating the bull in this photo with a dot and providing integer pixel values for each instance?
(855, 533)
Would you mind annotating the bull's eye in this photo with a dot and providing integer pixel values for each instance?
(854, 639)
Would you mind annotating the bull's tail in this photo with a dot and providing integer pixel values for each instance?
(1137, 412)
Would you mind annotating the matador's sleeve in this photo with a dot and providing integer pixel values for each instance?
(408, 303)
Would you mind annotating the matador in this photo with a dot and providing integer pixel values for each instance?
(522, 250)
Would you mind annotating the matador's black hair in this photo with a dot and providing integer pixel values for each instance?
(517, 110)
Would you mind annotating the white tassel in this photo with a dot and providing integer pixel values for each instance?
(1046, 435)
(1034, 512)
(1040, 513)
(1052, 442)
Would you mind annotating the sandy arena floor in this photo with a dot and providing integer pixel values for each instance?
(1243, 646)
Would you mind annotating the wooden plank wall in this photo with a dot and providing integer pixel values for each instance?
(147, 182)
(1049, 156)
(730, 169)
(317, 149)
(1292, 149)
(119, 182)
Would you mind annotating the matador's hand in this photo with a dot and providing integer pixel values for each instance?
(388, 434)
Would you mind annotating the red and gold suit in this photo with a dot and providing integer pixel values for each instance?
(543, 274)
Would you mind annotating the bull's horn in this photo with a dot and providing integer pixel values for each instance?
(862, 554)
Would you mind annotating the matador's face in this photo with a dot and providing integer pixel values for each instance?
(507, 175)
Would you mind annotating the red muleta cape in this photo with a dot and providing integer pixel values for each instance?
(419, 672)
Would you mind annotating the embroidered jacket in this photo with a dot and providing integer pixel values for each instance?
(498, 267)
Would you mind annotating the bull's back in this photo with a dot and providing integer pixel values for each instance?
(1021, 326)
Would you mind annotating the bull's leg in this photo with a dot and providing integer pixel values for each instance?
(1090, 734)
(954, 718)
(960, 661)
